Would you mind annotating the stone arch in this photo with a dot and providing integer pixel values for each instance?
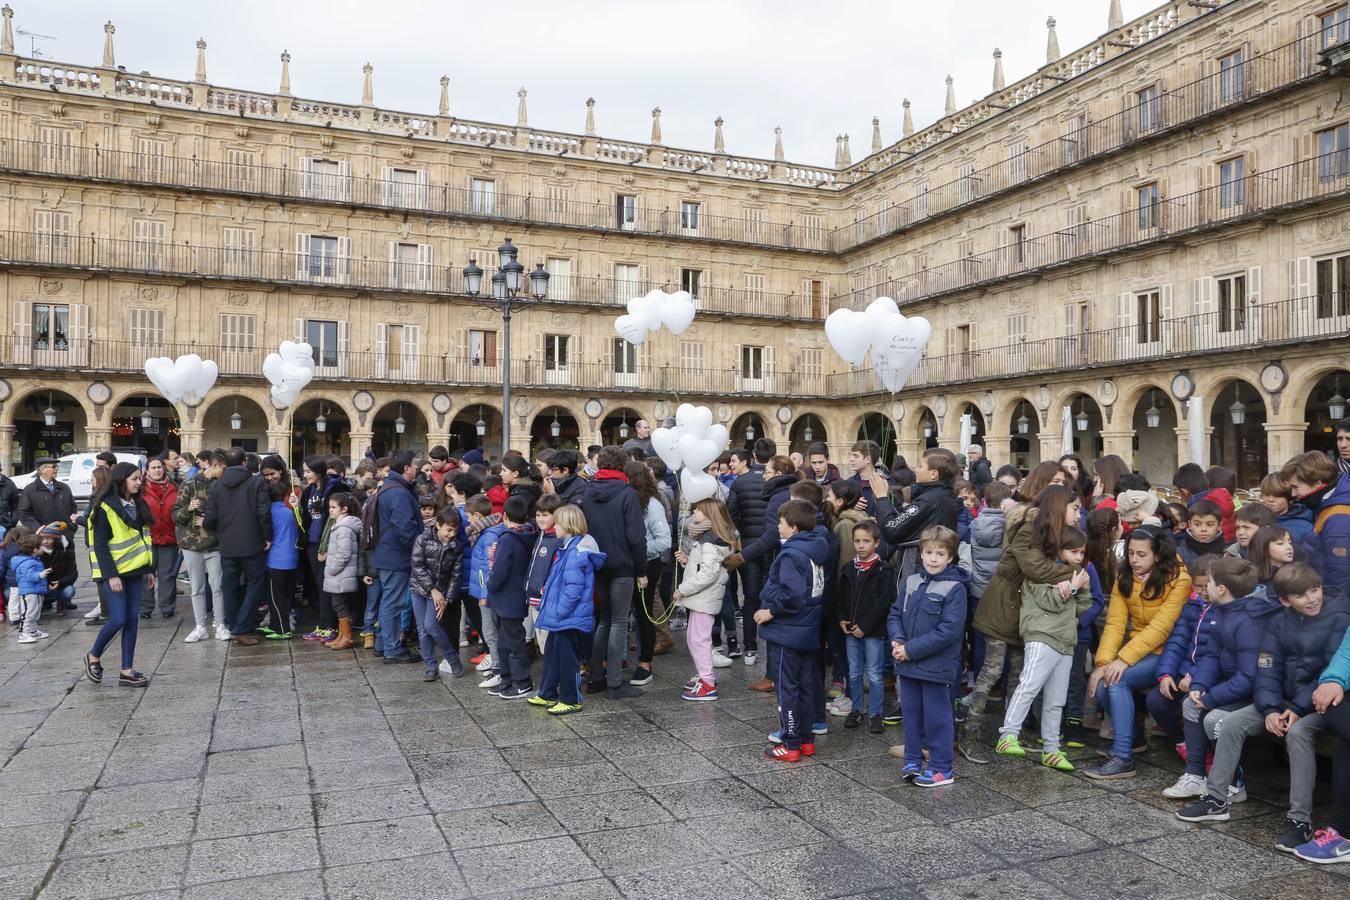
(16, 401)
(255, 413)
(1301, 386)
(815, 422)
(1242, 447)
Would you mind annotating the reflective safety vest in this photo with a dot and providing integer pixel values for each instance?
(129, 546)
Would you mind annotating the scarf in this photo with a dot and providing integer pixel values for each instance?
(865, 565)
(611, 475)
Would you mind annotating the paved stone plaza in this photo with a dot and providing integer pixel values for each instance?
(297, 772)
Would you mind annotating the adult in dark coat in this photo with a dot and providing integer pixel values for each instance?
(615, 522)
(978, 470)
(563, 479)
(239, 511)
(45, 499)
(745, 503)
(9, 502)
(399, 519)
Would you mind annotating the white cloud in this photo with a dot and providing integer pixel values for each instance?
(816, 69)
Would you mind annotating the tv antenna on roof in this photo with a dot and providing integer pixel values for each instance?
(33, 38)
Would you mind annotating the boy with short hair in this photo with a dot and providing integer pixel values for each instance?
(863, 600)
(484, 529)
(1299, 641)
(30, 578)
(789, 615)
(1289, 514)
(1249, 519)
(1204, 533)
(863, 459)
(437, 558)
(1315, 482)
(545, 547)
(926, 625)
(1185, 645)
(507, 600)
(1221, 685)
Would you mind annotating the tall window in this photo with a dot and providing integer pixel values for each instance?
(1017, 160)
(148, 244)
(238, 337)
(482, 196)
(921, 202)
(625, 211)
(689, 217)
(1148, 317)
(238, 250)
(240, 170)
(1231, 77)
(691, 281)
(323, 257)
(624, 357)
(52, 231)
(1076, 220)
(559, 196)
(1333, 287)
(557, 355)
(968, 185)
(406, 274)
(1017, 341)
(627, 279)
(813, 230)
(559, 278)
(813, 290)
(326, 179)
(151, 161)
(51, 326)
(146, 328)
(1150, 108)
(1232, 302)
(1018, 243)
(395, 346)
(405, 187)
(754, 288)
(1075, 139)
(752, 363)
(812, 363)
(1333, 152)
(1148, 206)
(1335, 26)
(691, 356)
(483, 348)
(754, 222)
(56, 149)
(323, 337)
(1232, 183)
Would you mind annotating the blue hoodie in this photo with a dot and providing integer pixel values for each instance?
(480, 560)
(1226, 672)
(795, 591)
(26, 572)
(1189, 639)
(931, 626)
(510, 565)
(568, 602)
(284, 554)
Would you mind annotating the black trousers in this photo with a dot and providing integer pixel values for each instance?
(280, 596)
(643, 608)
(514, 662)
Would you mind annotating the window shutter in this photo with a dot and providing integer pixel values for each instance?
(1254, 286)
(302, 257)
(381, 350)
(307, 185)
(1070, 319)
(344, 260)
(389, 191)
(412, 339)
(1300, 277)
(425, 271)
(23, 331)
(79, 334)
(1163, 326)
(42, 221)
(394, 273)
(1125, 310)
(769, 380)
(1205, 294)
(423, 189)
(738, 361)
(300, 335)
(344, 187)
(344, 347)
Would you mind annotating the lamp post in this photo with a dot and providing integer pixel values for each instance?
(506, 292)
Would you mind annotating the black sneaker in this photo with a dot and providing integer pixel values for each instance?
(168, 614)
(877, 725)
(134, 680)
(514, 693)
(1113, 769)
(1075, 735)
(1206, 809)
(643, 675)
(624, 692)
(893, 717)
(596, 687)
(733, 648)
(854, 718)
(499, 689)
(147, 614)
(401, 658)
(1295, 833)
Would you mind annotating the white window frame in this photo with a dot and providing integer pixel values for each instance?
(557, 358)
(691, 214)
(625, 211)
(483, 196)
(1233, 183)
(624, 363)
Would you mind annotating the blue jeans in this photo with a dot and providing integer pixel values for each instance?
(124, 609)
(372, 605)
(868, 653)
(430, 634)
(1118, 701)
(240, 607)
(62, 596)
(393, 601)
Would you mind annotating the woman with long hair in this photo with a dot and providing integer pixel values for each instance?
(1042, 475)
(1146, 599)
(1079, 476)
(1106, 474)
(122, 561)
(656, 519)
(321, 482)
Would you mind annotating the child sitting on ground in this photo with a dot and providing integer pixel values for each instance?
(1048, 623)
(1181, 654)
(702, 588)
(1250, 519)
(925, 625)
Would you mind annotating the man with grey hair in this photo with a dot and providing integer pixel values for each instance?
(978, 471)
(642, 439)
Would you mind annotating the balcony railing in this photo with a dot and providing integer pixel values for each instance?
(190, 173)
(327, 270)
(1304, 319)
(1242, 199)
(1264, 74)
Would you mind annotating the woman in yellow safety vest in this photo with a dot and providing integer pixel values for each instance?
(122, 561)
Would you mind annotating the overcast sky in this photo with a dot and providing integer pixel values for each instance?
(816, 69)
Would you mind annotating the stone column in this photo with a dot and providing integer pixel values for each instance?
(1184, 446)
(97, 437)
(1121, 443)
(191, 438)
(360, 443)
(1284, 440)
(911, 449)
(998, 449)
(1050, 444)
(7, 446)
(280, 441)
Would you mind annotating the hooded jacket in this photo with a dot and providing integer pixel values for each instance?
(545, 548)
(1327, 545)
(863, 597)
(1048, 618)
(656, 529)
(1190, 549)
(932, 503)
(981, 472)
(1294, 652)
(1189, 638)
(25, 573)
(745, 502)
(344, 551)
(160, 496)
(705, 579)
(510, 562)
(238, 510)
(568, 603)
(400, 522)
(794, 591)
(929, 619)
(284, 554)
(1298, 521)
(1148, 621)
(1024, 561)
(189, 530)
(986, 548)
(480, 559)
(570, 489)
(436, 565)
(774, 493)
(1226, 673)
(616, 522)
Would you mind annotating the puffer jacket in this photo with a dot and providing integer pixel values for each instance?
(705, 579)
(480, 560)
(1294, 652)
(1298, 521)
(510, 564)
(1147, 621)
(1226, 673)
(25, 573)
(1327, 545)
(568, 602)
(340, 561)
(1048, 618)
(746, 501)
(160, 496)
(656, 524)
(436, 564)
(795, 591)
(188, 528)
(775, 494)
(843, 533)
(929, 619)
(545, 549)
(986, 548)
(863, 597)
(1189, 638)
(998, 614)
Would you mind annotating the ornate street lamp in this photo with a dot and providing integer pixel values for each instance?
(49, 414)
(147, 417)
(1152, 415)
(1238, 411)
(556, 428)
(1336, 405)
(236, 420)
(400, 424)
(321, 423)
(480, 426)
(1023, 424)
(623, 427)
(807, 433)
(1082, 420)
(749, 431)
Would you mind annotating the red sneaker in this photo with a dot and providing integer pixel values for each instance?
(809, 749)
(782, 753)
(700, 690)
(475, 660)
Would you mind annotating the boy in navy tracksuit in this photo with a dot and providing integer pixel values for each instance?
(1185, 645)
(507, 600)
(789, 616)
(926, 626)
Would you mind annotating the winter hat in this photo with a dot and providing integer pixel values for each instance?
(1135, 506)
(54, 529)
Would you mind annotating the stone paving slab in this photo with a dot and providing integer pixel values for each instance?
(291, 771)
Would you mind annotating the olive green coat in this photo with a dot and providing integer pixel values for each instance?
(1023, 560)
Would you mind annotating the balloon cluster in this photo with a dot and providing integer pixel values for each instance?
(187, 379)
(289, 370)
(674, 311)
(690, 447)
(897, 343)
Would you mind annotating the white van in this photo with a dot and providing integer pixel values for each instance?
(77, 470)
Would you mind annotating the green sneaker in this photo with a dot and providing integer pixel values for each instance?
(562, 709)
(1056, 760)
(276, 635)
(265, 630)
(1008, 745)
(537, 700)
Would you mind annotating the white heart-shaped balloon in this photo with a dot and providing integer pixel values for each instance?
(881, 308)
(156, 369)
(696, 485)
(697, 452)
(850, 334)
(677, 311)
(695, 420)
(297, 353)
(664, 443)
(643, 310)
(631, 328)
(273, 368)
(718, 434)
(898, 347)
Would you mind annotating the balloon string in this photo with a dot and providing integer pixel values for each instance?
(646, 608)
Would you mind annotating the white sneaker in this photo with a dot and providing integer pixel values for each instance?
(751, 657)
(222, 633)
(839, 706)
(1187, 786)
(93, 613)
(492, 682)
(196, 635)
(1237, 793)
(26, 638)
(485, 665)
(720, 661)
(42, 634)
(444, 667)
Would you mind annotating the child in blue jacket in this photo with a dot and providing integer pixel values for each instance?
(926, 626)
(1224, 678)
(567, 611)
(29, 577)
(484, 529)
(508, 603)
(283, 562)
(1185, 645)
(791, 604)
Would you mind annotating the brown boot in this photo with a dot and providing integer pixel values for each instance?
(764, 685)
(368, 642)
(343, 641)
(662, 645)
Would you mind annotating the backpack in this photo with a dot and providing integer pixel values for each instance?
(370, 520)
